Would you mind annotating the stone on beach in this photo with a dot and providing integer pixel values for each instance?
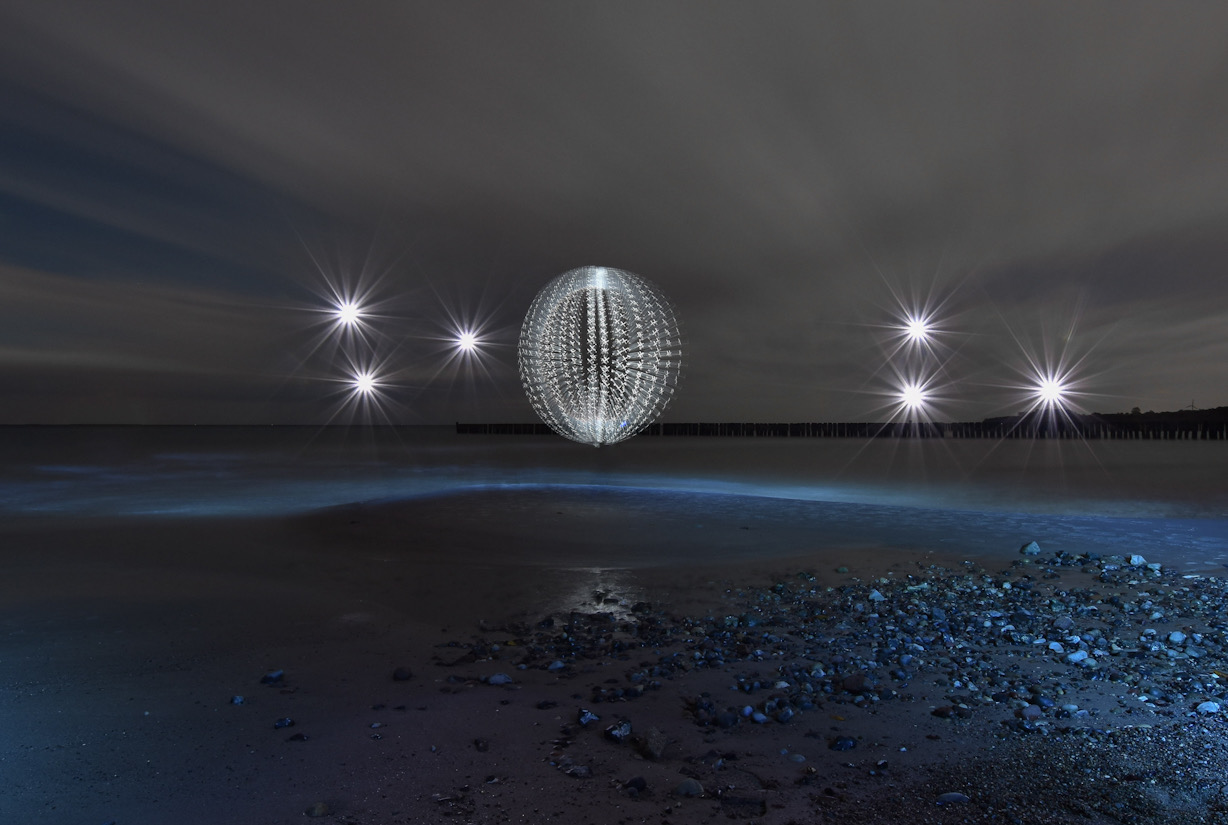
(952, 798)
(650, 745)
(619, 732)
(637, 784)
(689, 787)
(854, 682)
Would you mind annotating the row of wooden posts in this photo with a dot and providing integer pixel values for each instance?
(997, 429)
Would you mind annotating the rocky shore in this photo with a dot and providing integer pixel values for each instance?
(1057, 688)
(282, 672)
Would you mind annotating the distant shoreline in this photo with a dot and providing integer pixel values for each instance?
(1182, 425)
(1175, 425)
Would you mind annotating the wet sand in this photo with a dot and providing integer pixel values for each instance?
(124, 643)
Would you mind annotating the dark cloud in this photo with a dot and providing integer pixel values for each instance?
(780, 170)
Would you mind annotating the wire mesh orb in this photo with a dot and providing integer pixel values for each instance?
(600, 354)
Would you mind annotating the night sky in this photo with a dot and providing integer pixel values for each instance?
(181, 182)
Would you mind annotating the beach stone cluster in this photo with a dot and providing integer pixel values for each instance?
(1017, 647)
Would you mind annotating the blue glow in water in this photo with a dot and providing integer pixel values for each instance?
(1098, 494)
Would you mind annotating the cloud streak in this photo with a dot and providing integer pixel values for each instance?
(770, 167)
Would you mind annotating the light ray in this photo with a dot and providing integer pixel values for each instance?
(922, 321)
(364, 387)
(355, 300)
(1054, 381)
(912, 394)
(464, 344)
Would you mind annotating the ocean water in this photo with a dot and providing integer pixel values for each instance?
(1164, 497)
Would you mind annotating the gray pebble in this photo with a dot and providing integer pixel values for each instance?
(689, 787)
(952, 798)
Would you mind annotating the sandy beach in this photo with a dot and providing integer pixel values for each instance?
(594, 657)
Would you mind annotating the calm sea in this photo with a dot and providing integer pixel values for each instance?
(1126, 495)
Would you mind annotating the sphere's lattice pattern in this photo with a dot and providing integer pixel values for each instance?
(600, 354)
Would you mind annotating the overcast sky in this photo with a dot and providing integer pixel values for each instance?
(179, 181)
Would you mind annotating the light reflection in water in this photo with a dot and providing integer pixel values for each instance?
(600, 590)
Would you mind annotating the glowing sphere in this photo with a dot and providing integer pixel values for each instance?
(364, 383)
(467, 341)
(600, 354)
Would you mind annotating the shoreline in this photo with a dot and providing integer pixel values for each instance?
(124, 645)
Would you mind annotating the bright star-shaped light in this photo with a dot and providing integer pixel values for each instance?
(348, 313)
(365, 389)
(467, 341)
(912, 396)
(917, 329)
(1050, 391)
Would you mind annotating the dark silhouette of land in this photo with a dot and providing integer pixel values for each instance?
(1178, 425)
